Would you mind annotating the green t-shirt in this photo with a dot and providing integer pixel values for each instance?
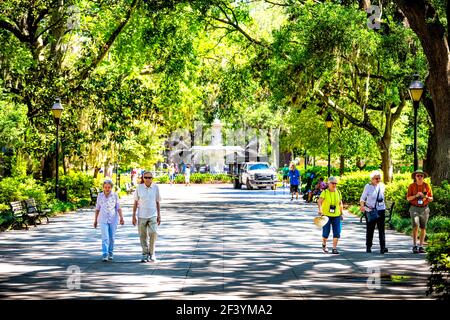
(331, 198)
(285, 171)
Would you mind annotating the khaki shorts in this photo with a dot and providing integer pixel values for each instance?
(419, 216)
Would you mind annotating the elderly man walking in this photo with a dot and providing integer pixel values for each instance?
(146, 202)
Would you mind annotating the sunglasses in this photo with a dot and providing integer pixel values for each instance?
(333, 182)
(419, 176)
(148, 177)
(377, 178)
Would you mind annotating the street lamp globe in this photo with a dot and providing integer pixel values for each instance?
(57, 109)
(329, 121)
(416, 88)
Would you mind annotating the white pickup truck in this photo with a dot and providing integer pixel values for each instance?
(255, 175)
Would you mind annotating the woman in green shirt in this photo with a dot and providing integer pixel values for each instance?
(330, 205)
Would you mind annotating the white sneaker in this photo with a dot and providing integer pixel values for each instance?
(144, 258)
(110, 257)
(105, 258)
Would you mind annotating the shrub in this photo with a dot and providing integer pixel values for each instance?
(441, 200)
(438, 256)
(438, 224)
(396, 191)
(179, 178)
(59, 206)
(77, 184)
(199, 177)
(162, 179)
(14, 189)
(401, 224)
(352, 186)
(220, 177)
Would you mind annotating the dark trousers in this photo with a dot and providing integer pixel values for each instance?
(370, 229)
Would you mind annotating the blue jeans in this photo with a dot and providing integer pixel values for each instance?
(334, 222)
(108, 231)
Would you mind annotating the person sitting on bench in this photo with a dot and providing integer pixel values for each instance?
(320, 186)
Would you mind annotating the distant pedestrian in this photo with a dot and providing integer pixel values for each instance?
(147, 204)
(285, 172)
(330, 205)
(187, 175)
(134, 177)
(108, 211)
(372, 203)
(294, 181)
(172, 173)
(419, 196)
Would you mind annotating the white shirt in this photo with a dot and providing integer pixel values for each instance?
(108, 207)
(147, 197)
(187, 171)
(369, 196)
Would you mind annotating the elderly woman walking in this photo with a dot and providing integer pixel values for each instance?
(108, 211)
(330, 205)
(373, 206)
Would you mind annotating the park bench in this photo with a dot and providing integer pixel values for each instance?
(33, 208)
(388, 214)
(94, 194)
(19, 214)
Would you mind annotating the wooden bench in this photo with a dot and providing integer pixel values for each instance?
(19, 214)
(33, 208)
(94, 194)
(388, 214)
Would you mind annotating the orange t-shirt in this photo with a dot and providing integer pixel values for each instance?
(414, 188)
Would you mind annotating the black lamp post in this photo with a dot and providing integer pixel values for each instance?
(306, 161)
(415, 91)
(329, 124)
(57, 110)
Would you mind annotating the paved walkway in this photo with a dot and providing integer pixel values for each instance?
(215, 243)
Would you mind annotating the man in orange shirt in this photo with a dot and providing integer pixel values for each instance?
(419, 195)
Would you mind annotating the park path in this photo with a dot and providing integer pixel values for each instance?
(215, 243)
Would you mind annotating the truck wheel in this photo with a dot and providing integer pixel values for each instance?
(249, 187)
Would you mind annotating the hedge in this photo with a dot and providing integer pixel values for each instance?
(438, 256)
(198, 178)
(15, 189)
(21, 188)
(77, 184)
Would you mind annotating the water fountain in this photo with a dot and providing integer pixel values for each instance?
(215, 151)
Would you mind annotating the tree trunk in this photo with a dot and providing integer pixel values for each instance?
(64, 165)
(364, 4)
(386, 161)
(360, 164)
(422, 18)
(341, 165)
(96, 170)
(48, 166)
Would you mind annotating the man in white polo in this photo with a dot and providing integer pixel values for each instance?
(147, 198)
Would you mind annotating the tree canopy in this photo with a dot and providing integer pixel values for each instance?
(132, 72)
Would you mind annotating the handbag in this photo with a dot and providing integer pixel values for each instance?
(373, 215)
